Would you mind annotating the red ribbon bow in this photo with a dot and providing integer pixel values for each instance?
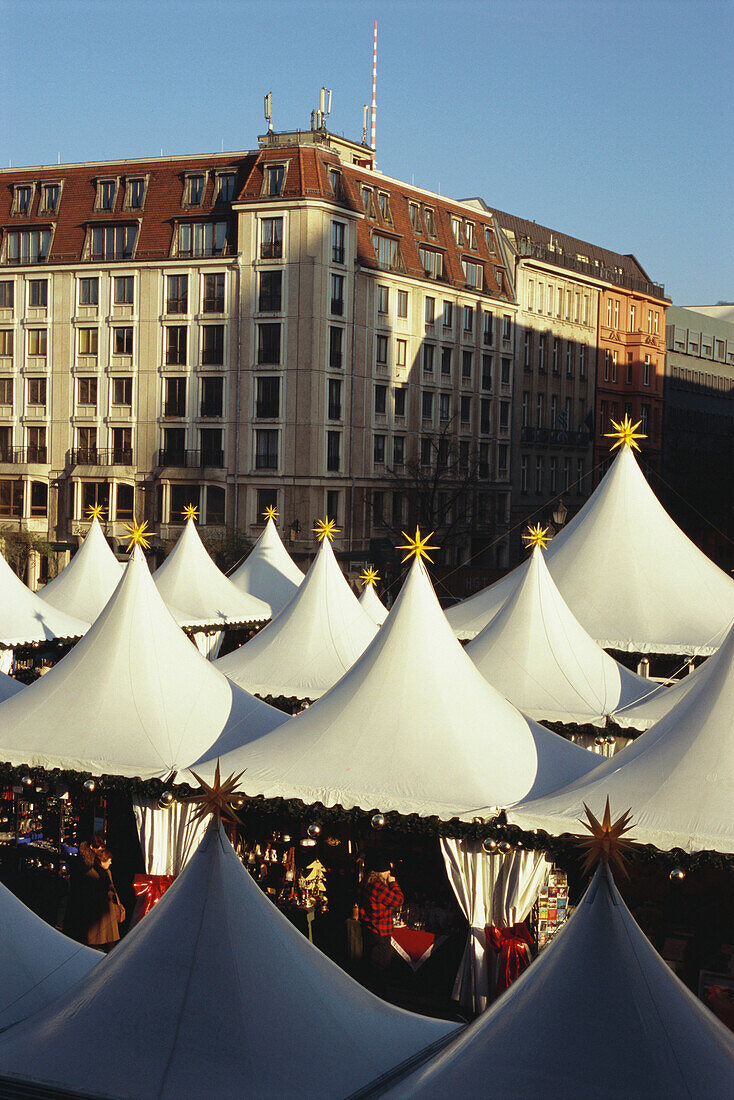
(151, 888)
(513, 945)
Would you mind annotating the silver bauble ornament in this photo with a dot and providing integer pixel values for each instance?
(90, 785)
(313, 831)
(166, 800)
(378, 821)
(505, 847)
(489, 844)
(677, 874)
(27, 781)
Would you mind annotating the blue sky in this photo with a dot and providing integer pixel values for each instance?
(608, 120)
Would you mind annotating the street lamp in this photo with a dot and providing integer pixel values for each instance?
(560, 513)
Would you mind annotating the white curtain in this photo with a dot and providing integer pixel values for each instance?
(168, 838)
(6, 661)
(491, 888)
(208, 645)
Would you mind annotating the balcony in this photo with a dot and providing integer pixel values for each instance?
(191, 460)
(554, 437)
(91, 456)
(18, 456)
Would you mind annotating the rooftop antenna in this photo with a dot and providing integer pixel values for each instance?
(269, 111)
(373, 146)
(324, 105)
(365, 112)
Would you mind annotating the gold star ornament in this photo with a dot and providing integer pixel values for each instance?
(536, 536)
(270, 513)
(605, 843)
(625, 434)
(369, 576)
(190, 512)
(215, 799)
(138, 534)
(95, 511)
(417, 547)
(325, 529)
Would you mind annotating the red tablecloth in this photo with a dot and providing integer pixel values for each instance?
(415, 946)
(151, 889)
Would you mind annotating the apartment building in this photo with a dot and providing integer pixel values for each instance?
(279, 326)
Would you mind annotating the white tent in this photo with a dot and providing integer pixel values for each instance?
(269, 572)
(678, 776)
(190, 582)
(26, 619)
(215, 994)
(658, 701)
(8, 686)
(317, 636)
(37, 963)
(373, 605)
(412, 727)
(631, 577)
(133, 698)
(540, 657)
(599, 1015)
(86, 584)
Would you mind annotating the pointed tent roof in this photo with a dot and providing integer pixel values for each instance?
(215, 950)
(411, 727)
(8, 686)
(373, 605)
(269, 571)
(133, 698)
(317, 636)
(618, 565)
(657, 702)
(86, 584)
(678, 776)
(540, 657)
(189, 581)
(619, 1014)
(26, 619)
(37, 963)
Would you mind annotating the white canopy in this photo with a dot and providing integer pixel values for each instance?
(269, 571)
(598, 1014)
(540, 657)
(412, 727)
(317, 636)
(8, 686)
(26, 619)
(190, 582)
(86, 584)
(373, 605)
(134, 697)
(37, 963)
(678, 776)
(658, 701)
(215, 993)
(631, 577)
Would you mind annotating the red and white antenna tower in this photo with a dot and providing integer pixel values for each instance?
(373, 146)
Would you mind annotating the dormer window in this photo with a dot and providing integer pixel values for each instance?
(384, 200)
(135, 193)
(368, 202)
(22, 199)
(414, 211)
(335, 182)
(106, 191)
(456, 229)
(194, 193)
(471, 236)
(50, 198)
(429, 219)
(225, 186)
(273, 179)
(491, 243)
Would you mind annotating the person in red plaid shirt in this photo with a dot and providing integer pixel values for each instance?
(380, 898)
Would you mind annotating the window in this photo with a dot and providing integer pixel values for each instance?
(569, 359)
(332, 504)
(7, 294)
(37, 342)
(632, 317)
(268, 343)
(380, 400)
(387, 252)
(38, 293)
(335, 399)
(37, 392)
(582, 360)
(177, 293)
(174, 397)
(176, 345)
(269, 300)
(225, 187)
(212, 345)
(426, 450)
(11, 499)
(266, 498)
(6, 392)
(401, 352)
(266, 449)
(378, 450)
(646, 371)
(397, 509)
(428, 354)
(368, 202)
(6, 342)
(446, 361)
(398, 450)
(444, 406)
(527, 350)
(430, 311)
(465, 409)
(524, 474)
(485, 418)
(115, 242)
(212, 453)
(337, 294)
(335, 182)
(579, 475)
(174, 447)
(566, 474)
(456, 230)
(124, 502)
(431, 262)
(504, 415)
(486, 372)
(124, 286)
(506, 327)
(39, 498)
(383, 298)
(335, 346)
(468, 312)
(36, 444)
(540, 410)
(122, 391)
(338, 233)
(381, 350)
(609, 313)
(377, 507)
(400, 402)
(525, 409)
(429, 219)
(541, 352)
(467, 362)
(181, 496)
(414, 212)
(123, 340)
(202, 238)
(87, 392)
(106, 190)
(488, 326)
(464, 455)
(214, 293)
(556, 354)
(27, 246)
(195, 185)
(427, 405)
(616, 313)
(402, 303)
(474, 274)
(88, 292)
(122, 446)
(333, 445)
(539, 464)
(212, 396)
(88, 341)
(267, 398)
(271, 240)
(50, 198)
(384, 201)
(135, 194)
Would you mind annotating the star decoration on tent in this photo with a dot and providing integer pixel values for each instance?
(270, 513)
(417, 547)
(138, 535)
(190, 512)
(605, 842)
(325, 529)
(215, 799)
(369, 576)
(95, 511)
(625, 433)
(536, 536)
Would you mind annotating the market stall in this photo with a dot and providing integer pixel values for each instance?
(269, 572)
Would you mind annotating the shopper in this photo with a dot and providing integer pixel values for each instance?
(380, 898)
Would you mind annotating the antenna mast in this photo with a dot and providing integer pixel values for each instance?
(373, 146)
